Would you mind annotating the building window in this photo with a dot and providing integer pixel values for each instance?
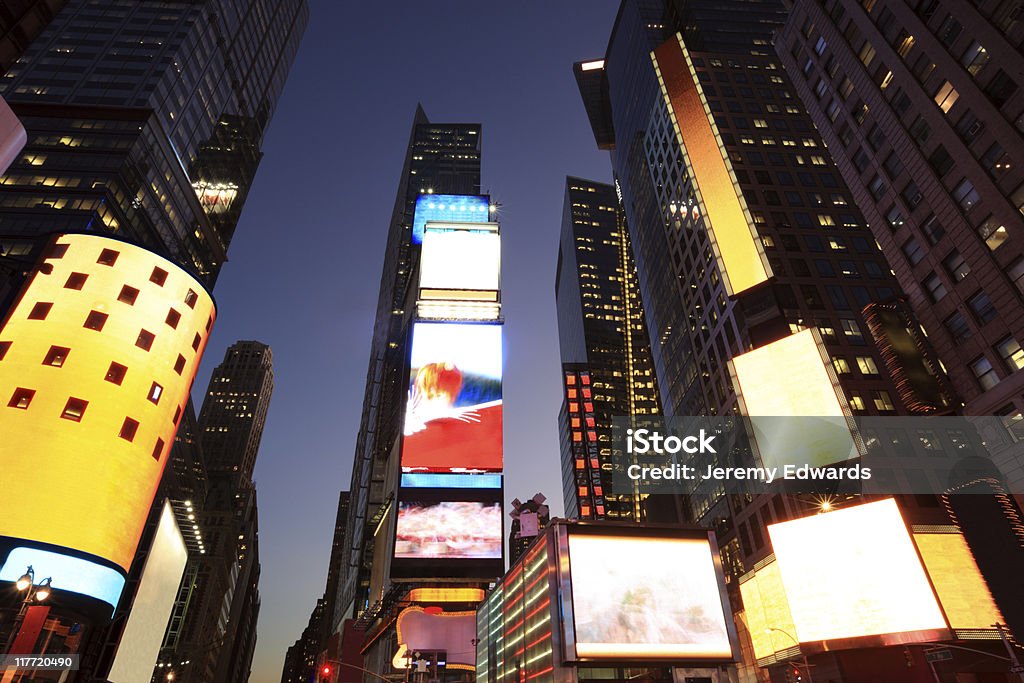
(1001, 88)
(984, 373)
(108, 257)
(74, 409)
(158, 277)
(196, 340)
(956, 266)
(158, 449)
(841, 366)
(941, 161)
(965, 195)
(911, 194)
(920, 130)
(946, 96)
(866, 54)
(982, 307)
(950, 30)
(894, 217)
(882, 400)
(893, 166)
(56, 356)
(128, 295)
(173, 318)
(995, 161)
(155, 392)
(993, 233)
(40, 310)
(128, 429)
(190, 299)
(1009, 350)
(974, 58)
(957, 327)
(932, 229)
(76, 281)
(1016, 274)
(852, 331)
(866, 365)
(116, 373)
(179, 365)
(935, 287)
(969, 126)
(145, 340)
(877, 187)
(1013, 421)
(21, 398)
(856, 401)
(4, 347)
(913, 251)
(95, 321)
(819, 47)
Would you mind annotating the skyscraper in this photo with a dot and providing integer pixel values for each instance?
(606, 354)
(20, 22)
(145, 119)
(440, 159)
(921, 108)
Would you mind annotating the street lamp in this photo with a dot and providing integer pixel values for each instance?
(33, 593)
(807, 666)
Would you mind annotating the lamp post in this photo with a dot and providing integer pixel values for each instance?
(807, 666)
(33, 593)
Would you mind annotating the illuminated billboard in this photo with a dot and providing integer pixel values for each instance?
(449, 208)
(143, 633)
(790, 377)
(855, 572)
(453, 417)
(97, 356)
(460, 256)
(738, 249)
(637, 597)
(962, 591)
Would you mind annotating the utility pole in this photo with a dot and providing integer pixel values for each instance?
(1015, 667)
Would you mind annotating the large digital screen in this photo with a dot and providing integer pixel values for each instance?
(449, 530)
(962, 591)
(451, 208)
(453, 417)
(647, 598)
(854, 572)
(69, 573)
(143, 633)
(466, 257)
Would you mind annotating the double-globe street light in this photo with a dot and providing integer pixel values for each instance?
(33, 593)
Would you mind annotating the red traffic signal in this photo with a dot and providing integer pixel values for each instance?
(326, 671)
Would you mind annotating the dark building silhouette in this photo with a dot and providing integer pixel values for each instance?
(607, 369)
(20, 22)
(300, 659)
(529, 520)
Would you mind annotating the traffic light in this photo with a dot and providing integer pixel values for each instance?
(325, 673)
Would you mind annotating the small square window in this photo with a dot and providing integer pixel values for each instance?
(56, 356)
(173, 318)
(177, 414)
(209, 323)
(981, 305)
(1011, 353)
(159, 277)
(155, 392)
(40, 311)
(158, 449)
(196, 340)
(129, 429)
(74, 409)
(984, 373)
(95, 320)
(21, 398)
(76, 281)
(116, 373)
(4, 346)
(108, 257)
(179, 365)
(128, 295)
(145, 340)
(57, 251)
(191, 298)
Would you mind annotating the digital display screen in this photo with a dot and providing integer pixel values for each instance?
(854, 572)
(449, 529)
(69, 573)
(449, 208)
(454, 258)
(453, 416)
(647, 598)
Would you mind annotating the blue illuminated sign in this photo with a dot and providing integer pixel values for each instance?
(68, 573)
(451, 481)
(450, 208)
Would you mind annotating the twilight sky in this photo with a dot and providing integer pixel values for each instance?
(305, 263)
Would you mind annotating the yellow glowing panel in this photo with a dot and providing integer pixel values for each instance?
(962, 591)
(446, 595)
(790, 377)
(79, 484)
(730, 226)
(854, 572)
(766, 607)
(646, 598)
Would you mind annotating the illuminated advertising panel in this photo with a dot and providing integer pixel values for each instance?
(790, 377)
(449, 208)
(448, 533)
(460, 256)
(96, 360)
(962, 591)
(453, 417)
(767, 610)
(73, 574)
(647, 598)
(855, 572)
(738, 249)
(143, 633)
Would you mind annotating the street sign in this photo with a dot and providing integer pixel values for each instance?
(938, 655)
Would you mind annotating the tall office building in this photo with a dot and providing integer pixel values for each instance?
(606, 354)
(921, 108)
(300, 659)
(146, 119)
(441, 158)
(212, 634)
(20, 22)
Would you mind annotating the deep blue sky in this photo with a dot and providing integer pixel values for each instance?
(305, 263)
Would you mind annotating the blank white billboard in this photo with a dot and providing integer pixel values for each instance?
(460, 257)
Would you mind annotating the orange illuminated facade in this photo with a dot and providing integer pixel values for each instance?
(730, 226)
(97, 357)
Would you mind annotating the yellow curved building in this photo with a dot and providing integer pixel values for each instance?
(97, 357)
